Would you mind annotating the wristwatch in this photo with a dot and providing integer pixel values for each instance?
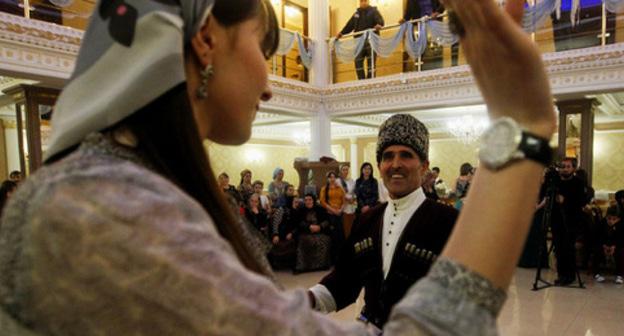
(505, 142)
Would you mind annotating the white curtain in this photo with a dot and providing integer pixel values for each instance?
(535, 16)
(615, 6)
(385, 46)
(306, 54)
(415, 45)
(441, 33)
(286, 42)
(347, 49)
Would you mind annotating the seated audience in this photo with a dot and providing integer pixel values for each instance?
(283, 232)
(314, 246)
(610, 245)
(366, 188)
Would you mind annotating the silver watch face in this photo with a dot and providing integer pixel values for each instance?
(499, 143)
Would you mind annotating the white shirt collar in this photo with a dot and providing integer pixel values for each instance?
(412, 200)
(397, 215)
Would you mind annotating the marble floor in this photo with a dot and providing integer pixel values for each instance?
(597, 310)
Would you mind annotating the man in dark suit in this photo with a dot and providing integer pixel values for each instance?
(394, 244)
(365, 17)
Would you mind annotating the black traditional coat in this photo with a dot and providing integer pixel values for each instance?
(360, 262)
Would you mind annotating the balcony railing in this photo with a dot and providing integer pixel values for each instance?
(594, 25)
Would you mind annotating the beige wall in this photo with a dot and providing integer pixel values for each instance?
(262, 157)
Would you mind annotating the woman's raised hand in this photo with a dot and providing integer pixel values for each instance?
(505, 62)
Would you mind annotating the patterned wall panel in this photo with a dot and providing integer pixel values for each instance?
(608, 161)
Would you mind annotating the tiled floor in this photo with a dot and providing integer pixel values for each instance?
(597, 310)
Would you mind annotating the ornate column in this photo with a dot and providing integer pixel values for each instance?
(355, 165)
(318, 19)
(320, 135)
(586, 109)
(320, 125)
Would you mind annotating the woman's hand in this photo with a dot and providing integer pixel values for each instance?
(289, 236)
(315, 228)
(506, 64)
(276, 240)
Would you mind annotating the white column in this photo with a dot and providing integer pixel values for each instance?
(318, 18)
(355, 165)
(320, 135)
(320, 125)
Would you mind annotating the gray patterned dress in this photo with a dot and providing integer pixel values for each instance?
(98, 244)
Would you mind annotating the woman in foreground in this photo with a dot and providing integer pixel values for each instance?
(124, 233)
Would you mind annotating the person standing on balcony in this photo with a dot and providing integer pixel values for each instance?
(365, 17)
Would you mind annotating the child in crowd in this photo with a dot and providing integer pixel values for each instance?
(610, 244)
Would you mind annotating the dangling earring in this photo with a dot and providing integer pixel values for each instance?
(206, 74)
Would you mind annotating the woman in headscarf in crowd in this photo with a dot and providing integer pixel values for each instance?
(124, 230)
(245, 188)
(277, 187)
(314, 247)
(283, 232)
(366, 188)
(350, 199)
(256, 215)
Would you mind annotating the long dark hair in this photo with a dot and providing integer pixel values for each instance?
(181, 156)
(364, 165)
(327, 185)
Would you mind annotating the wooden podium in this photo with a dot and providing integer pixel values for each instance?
(314, 173)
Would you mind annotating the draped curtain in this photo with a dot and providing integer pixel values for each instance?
(287, 41)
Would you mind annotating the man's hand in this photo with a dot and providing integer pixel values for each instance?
(275, 240)
(315, 228)
(506, 64)
(435, 15)
(402, 21)
(560, 199)
(339, 35)
(365, 209)
(289, 236)
(378, 27)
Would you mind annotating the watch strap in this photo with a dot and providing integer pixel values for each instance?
(536, 148)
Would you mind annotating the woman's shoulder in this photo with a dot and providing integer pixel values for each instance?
(105, 185)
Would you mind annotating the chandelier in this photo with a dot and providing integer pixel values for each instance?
(467, 129)
(302, 138)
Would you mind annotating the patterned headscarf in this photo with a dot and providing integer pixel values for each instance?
(403, 129)
(277, 171)
(131, 53)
